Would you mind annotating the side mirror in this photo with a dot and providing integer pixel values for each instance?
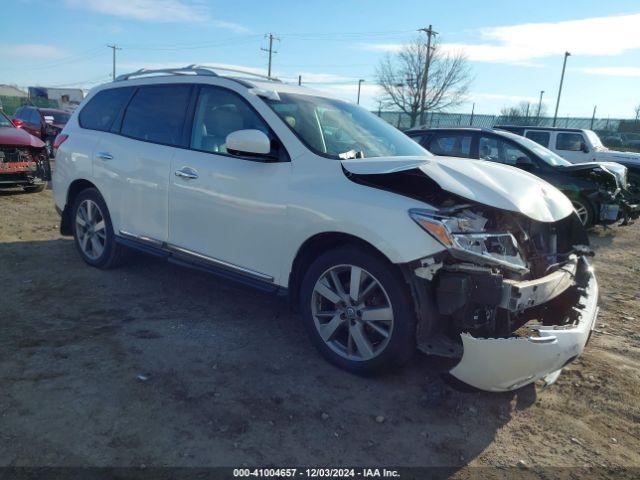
(248, 142)
(48, 119)
(525, 163)
(584, 148)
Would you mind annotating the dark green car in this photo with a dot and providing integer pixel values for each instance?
(598, 193)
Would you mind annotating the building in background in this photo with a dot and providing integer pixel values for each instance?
(67, 98)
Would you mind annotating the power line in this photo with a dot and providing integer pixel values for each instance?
(271, 38)
(423, 102)
(114, 47)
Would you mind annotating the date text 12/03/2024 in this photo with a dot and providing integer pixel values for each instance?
(316, 472)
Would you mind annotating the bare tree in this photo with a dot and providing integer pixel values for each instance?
(637, 112)
(401, 78)
(524, 111)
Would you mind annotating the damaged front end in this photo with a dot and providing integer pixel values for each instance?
(513, 299)
(23, 165)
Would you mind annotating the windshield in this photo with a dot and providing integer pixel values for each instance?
(4, 121)
(594, 139)
(545, 154)
(337, 129)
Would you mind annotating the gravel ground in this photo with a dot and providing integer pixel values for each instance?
(152, 364)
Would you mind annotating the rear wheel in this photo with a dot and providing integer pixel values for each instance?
(584, 210)
(357, 311)
(93, 231)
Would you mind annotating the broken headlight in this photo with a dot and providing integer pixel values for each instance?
(465, 237)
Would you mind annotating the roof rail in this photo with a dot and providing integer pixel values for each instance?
(191, 69)
(206, 70)
(223, 68)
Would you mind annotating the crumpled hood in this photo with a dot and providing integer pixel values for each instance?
(11, 136)
(488, 183)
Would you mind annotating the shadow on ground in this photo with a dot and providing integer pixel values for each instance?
(158, 365)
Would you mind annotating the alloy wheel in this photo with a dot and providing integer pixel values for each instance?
(90, 229)
(582, 211)
(352, 312)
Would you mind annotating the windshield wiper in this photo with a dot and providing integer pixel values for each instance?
(351, 154)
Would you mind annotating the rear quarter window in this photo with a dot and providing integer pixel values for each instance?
(157, 114)
(103, 108)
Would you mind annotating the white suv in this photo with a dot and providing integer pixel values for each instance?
(384, 247)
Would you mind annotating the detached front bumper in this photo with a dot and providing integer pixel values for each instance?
(503, 364)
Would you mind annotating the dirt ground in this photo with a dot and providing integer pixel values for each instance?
(152, 364)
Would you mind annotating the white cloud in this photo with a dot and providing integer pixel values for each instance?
(381, 47)
(603, 36)
(30, 51)
(612, 71)
(234, 27)
(162, 11)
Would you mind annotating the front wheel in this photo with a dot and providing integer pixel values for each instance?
(93, 231)
(357, 311)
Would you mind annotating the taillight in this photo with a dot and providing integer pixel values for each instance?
(17, 122)
(60, 139)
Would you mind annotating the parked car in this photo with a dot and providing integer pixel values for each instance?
(23, 158)
(44, 123)
(598, 193)
(384, 247)
(584, 146)
(620, 139)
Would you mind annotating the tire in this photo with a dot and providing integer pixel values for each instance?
(345, 324)
(584, 209)
(111, 254)
(35, 188)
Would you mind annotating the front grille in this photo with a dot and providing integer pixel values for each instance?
(15, 154)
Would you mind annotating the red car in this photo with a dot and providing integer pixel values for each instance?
(44, 123)
(23, 158)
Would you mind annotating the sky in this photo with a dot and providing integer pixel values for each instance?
(514, 49)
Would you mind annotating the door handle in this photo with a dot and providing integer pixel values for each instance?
(187, 173)
(104, 156)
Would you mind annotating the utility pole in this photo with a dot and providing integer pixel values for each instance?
(564, 66)
(473, 109)
(540, 103)
(114, 47)
(271, 38)
(593, 117)
(299, 79)
(423, 88)
(359, 85)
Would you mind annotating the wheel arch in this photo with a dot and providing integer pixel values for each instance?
(73, 191)
(317, 245)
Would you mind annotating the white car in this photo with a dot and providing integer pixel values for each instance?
(383, 246)
(577, 145)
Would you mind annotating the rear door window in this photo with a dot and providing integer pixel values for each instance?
(157, 113)
(539, 137)
(103, 108)
(451, 145)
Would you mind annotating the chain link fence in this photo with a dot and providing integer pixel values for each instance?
(437, 119)
(11, 104)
